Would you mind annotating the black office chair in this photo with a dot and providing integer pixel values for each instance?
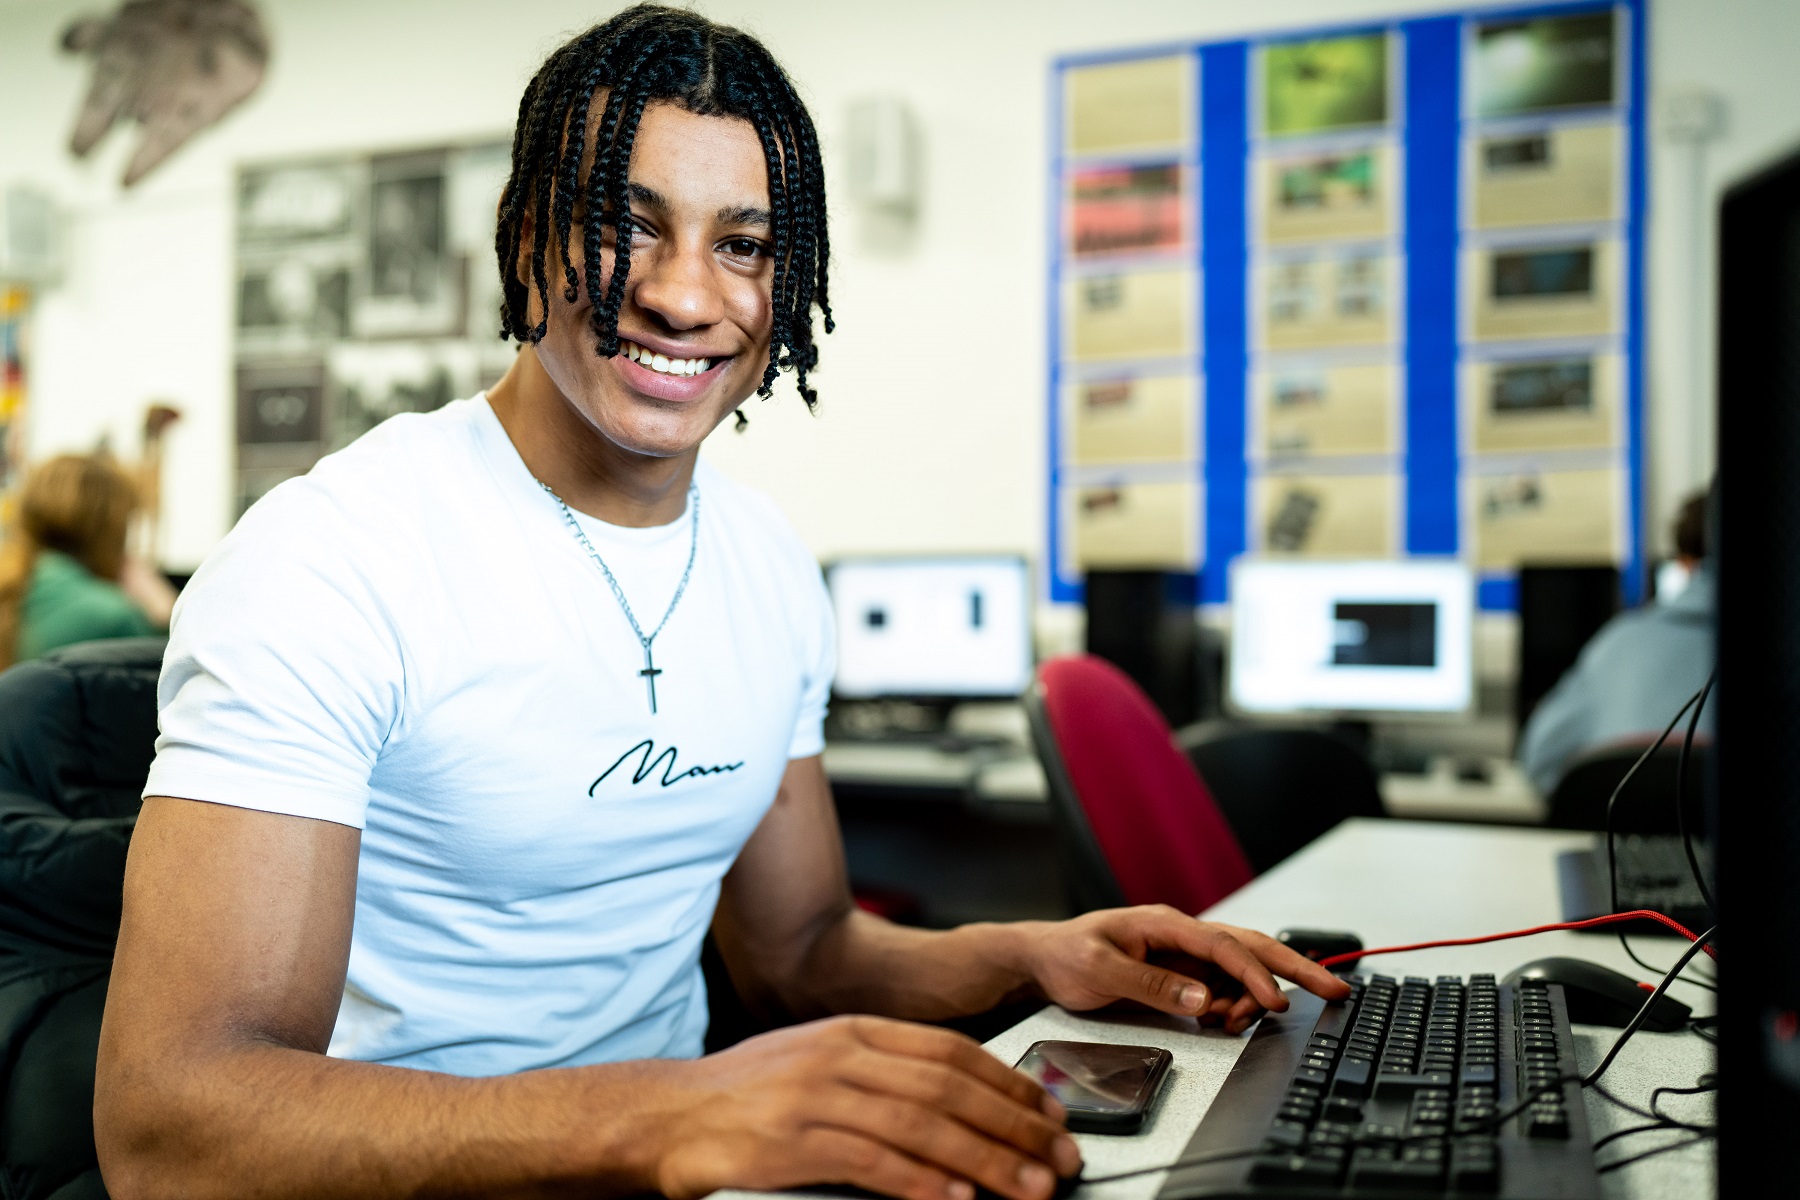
(1647, 805)
(77, 732)
(1281, 789)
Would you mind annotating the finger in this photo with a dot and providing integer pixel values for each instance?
(1288, 963)
(943, 1045)
(1166, 928)
(940, 1141)
(1243, 1014)
(864, 1162)
(945, 1089)
(1123, 977)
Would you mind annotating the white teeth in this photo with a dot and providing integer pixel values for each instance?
(661, 363)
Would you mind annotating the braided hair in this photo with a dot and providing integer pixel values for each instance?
(646, 53)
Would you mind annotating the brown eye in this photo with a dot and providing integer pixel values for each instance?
(743, 247)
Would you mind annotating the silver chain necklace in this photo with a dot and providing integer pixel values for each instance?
(650, 671)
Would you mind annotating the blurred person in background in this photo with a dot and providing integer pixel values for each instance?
(1628, 675)
(1673, 576)
(65, 576)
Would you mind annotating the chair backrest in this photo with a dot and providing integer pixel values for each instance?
(77, 733)
(1647, 805)
(1141, 826)
(1281, 789)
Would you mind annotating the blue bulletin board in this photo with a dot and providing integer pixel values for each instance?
(1368, 291)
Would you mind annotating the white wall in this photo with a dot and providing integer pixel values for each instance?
(932, 427)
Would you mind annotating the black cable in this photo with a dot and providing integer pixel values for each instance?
(1643, 1013)
(1640, 1157)
(1687, 838)
(1634, 1130)
(1198, 1160)
(1612, 866)
(1627, 1105)
(1697, 1090)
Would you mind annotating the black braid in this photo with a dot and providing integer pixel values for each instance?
(644, 54)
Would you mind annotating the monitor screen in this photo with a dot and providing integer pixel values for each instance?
(1351, 636)
(931, 627)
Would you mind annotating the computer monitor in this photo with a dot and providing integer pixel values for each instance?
(1757, 752)
(1560, 609)
(932, 628)
(1351, 637)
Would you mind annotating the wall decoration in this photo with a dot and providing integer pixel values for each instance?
(1336, 194)
(1544, 63)
(1397, 269)
(1311, 515)
(1128, 107)
(1129, 209)
(1325, 84)
(1133, 419)
(173, 66)
(1132, 525)
(366, 288)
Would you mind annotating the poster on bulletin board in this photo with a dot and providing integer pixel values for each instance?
(1372, 291)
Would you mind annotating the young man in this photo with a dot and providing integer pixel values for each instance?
(471, 735)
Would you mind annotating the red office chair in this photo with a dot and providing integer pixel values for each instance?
(1137, 823)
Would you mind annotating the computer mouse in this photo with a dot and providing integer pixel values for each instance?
(1599, 995)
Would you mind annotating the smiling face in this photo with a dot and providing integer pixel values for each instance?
(695, 322)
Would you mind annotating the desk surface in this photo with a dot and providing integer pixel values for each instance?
(1398, 882)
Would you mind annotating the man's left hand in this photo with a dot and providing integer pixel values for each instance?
(1161, 958)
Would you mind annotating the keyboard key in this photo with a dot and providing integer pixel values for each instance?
(1285, 1136)
(1475, 1166)
(1402, 1086)
(1352, 1078)
(1295, 1170)
(1476, 1072)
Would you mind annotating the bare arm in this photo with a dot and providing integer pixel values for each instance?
(795, 942)
(224, 991)
(213, 1082)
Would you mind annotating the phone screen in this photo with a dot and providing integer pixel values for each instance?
(1092, 1077)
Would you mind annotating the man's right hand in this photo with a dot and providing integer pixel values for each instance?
(908, 1110)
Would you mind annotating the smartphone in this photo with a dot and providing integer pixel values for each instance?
(1106, 1088)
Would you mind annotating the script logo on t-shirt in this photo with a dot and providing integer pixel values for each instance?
(648, 762)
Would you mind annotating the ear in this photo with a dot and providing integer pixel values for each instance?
(534, 301)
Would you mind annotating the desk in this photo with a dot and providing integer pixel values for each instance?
(1396, 882)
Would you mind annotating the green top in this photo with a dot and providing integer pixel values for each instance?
(67, 604)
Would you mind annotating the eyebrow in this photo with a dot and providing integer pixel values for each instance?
(742, 214)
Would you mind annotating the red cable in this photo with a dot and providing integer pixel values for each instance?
(1636, 914)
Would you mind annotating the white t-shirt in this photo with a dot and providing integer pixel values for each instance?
(411, 641)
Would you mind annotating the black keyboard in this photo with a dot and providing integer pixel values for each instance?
(1397, 1092)
(1653, 873)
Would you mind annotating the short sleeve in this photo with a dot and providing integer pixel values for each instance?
(284, 677)
(819, 639)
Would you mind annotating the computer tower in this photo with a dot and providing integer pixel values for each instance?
(1560, 608)
(1144, 623)
(1756, 797)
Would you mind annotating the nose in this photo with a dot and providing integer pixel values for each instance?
(676, 285)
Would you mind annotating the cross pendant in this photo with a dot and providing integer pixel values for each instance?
(650, 672)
